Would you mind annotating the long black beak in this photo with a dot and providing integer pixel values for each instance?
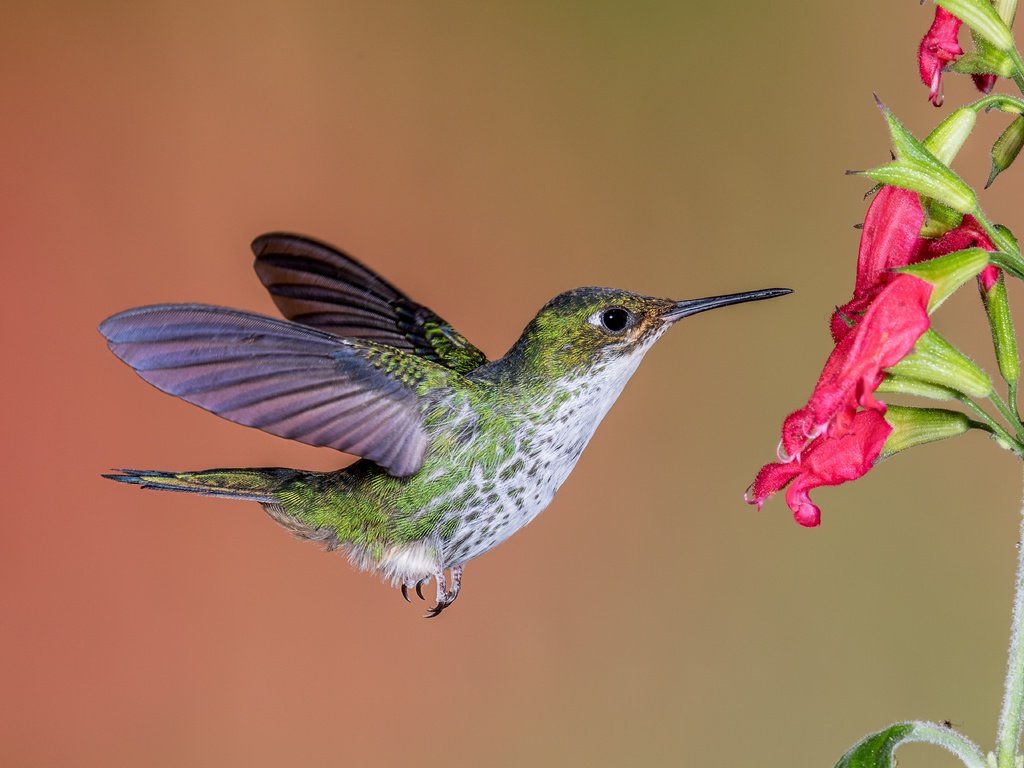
(693, 306)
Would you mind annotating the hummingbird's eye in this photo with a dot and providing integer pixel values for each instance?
(615, 319)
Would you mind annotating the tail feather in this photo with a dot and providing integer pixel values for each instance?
(246, 484)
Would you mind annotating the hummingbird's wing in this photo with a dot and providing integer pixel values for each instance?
(284, 378)
(317, 285)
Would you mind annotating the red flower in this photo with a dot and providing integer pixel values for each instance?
(839, 434)
(938, 47)
(890, 238)
(887, 332)
(828, 460)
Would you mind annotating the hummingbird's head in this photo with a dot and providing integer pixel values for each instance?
(589, 327)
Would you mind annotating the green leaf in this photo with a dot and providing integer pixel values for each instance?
(1006, 148)
(877, 750)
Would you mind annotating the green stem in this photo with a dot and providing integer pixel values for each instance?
(996, 235)
(1007, 413)
(951, 741)
(1008, 736)
(1018, 68)
(998, 101)
(994, 426)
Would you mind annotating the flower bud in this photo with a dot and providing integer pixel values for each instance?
(949, 135)
(981, 17)
(916, 426)
(1006, 148)
(1004, 338)
(935, 361)
(947, 273)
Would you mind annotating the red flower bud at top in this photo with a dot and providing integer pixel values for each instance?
(938, 47)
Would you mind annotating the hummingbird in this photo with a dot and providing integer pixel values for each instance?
(455, 452)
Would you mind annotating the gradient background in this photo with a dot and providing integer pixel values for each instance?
(484, 157)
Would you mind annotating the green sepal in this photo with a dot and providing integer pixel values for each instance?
(917, 169)
(940, 218)
(1004, 337)
(878, 750)
(899, 385)
(948, 273)
(945, 186)
(1007, 10)
(917, 426)
(1006, 148)
(986, 60)
(935, 361)
(1006, 232)
(949, 135)
(982, 18)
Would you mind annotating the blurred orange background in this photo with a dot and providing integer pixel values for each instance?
(483, 157)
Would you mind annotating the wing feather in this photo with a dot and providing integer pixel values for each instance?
(317, 285)
(284, 378)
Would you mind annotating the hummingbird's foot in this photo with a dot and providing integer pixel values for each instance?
(446, 597)
(413, 583)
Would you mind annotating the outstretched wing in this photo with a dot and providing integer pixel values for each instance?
(283, 378)
(317, 285)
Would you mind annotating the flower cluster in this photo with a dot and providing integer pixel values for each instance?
(840, 433)
(923, 237)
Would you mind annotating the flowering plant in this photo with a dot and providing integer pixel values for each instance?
(924, 237)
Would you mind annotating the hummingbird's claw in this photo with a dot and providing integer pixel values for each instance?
(419, 587)
(436, 610)
(445, 597)
(405, 592)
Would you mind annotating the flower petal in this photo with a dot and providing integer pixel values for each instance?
(882, 337)
(890, 238)
(828, 460)
(938, 47)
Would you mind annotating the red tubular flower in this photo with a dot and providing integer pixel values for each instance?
(839, 434)
(938, 47)
(828, 460)
(889, 239)
(887, 332)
